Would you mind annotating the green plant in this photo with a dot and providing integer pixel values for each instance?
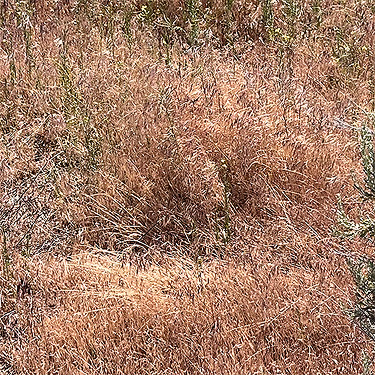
(81, 137)
(363, 267)
(126, 19)
(268, 18)
(193, 17)
(291, 11)
(365, 228)
(366, 360)
(317, 11)
(363, 271)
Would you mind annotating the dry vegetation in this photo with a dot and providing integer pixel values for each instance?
(169, 173)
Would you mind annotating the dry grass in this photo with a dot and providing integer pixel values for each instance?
(169, 176)
(93, 315)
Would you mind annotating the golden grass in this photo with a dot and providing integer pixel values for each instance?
(96, 315)
(167, 208)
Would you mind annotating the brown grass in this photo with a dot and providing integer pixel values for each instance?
(93, 315)
(169, 184)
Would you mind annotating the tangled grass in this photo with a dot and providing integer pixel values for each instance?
(169, 179)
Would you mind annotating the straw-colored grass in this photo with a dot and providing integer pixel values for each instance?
(169, 178)
(92, 314)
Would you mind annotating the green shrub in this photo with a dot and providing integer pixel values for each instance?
(363, 267)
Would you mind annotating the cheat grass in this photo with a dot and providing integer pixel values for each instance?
(176, 179)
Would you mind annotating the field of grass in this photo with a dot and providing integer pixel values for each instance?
(170, 173)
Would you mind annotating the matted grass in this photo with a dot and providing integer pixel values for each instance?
(169, 179)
